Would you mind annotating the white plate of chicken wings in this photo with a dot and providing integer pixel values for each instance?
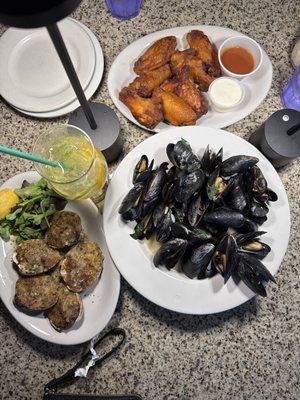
(136, 72)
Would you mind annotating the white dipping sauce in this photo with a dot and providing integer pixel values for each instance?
(225, 93)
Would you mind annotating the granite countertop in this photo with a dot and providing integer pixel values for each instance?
(251, 352)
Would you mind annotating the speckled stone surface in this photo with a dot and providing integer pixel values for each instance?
(252, 352)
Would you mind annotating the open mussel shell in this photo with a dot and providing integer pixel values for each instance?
(257, 248)
(170, 253)
(250, 278)
(164, 231)
(224, 216)
(236, 164)
(158, 215)
(196, 210)
(142, 170)
(188, 184)
(244, 238)
(193, 236)
(195, 262)
(225, 258)
(257, 266)
(217, 187)
(211, 160)
(156, 183)
(128, 206)
(258, 210)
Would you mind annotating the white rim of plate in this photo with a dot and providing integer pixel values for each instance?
(48, 333)
(265, 73)
(64, 95)
(134, 260)
(89, 91)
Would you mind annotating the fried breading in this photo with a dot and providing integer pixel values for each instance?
(186, 64)
(144, 84)
(148, 112)
(187, 91)
(157, 55)
(199, 42)
(176, 111)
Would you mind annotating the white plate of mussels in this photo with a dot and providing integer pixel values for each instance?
(201, 230)
(97, 298)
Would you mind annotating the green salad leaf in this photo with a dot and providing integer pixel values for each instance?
(31, 218)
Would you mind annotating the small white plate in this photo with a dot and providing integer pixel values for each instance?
(256, 87)
(32, 76)
(99, 302)
(90, 89)
(171, 289)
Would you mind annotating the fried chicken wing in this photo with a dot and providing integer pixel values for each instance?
(179, 60)
(148, 112)
(199, 42)
(188, 92)
(186, 64)
(148, 81)
(157, 55)
(176, 111)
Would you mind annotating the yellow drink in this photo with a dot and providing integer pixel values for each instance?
(83, 171)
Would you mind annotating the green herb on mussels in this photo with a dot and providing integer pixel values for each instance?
(32, 216)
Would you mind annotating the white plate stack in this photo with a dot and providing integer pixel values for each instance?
(32, 78)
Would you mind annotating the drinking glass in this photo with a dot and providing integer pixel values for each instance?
(82, 171)
(124, 9)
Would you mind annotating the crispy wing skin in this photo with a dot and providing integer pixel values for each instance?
(187, 65)
(144, 84)
(148, 112)
(179, 60)
(188, 92)
(176, 111)
(157, 55)
(199, 74)
(199, 42)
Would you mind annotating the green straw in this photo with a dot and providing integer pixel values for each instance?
(28, 156)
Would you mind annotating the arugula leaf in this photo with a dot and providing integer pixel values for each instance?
(138, 231)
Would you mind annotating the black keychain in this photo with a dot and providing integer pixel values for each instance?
(70, 376)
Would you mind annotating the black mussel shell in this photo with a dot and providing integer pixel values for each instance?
(257, 248)
(182, 157)
(196, 210)
(156, 183)
(211, 161)
(146, 207)
(149, 228)
(250, 278)
(141, 171)
(193, 236)
(236, 164)
(209, 272)
(258, 210)
(188, 184)
(224, 216)
(158, 215)
(272, 196)
(130, 201)
(256, 179)
(197, 259)
(170, 253)
(248, 226)
(164, 232)
(257, 266)
(236, 198)
(225, 258)
(244, 238)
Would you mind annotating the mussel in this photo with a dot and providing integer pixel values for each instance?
(196, 210)
(188, 184)
(211, 161)
(164, 231)
(193, 236)
(225, 258)
(142, 170)
(196, 262)
(182, 156)
(249, 243)
(170, 253)
(156, 183)
(224, 216)
(236, 198)
(158, 215)
(235, 164)
(217, 187)
(128, 208)
(250, 278)
(257, 266)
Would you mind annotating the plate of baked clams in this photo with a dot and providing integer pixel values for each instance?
(64, 287)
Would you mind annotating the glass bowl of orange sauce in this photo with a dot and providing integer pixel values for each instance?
(240, 57)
